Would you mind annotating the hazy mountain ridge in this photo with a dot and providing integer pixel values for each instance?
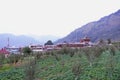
(14, 40)
(22, 40)
(106, 27)
(43, 39)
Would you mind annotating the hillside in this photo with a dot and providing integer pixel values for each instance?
(106, 27)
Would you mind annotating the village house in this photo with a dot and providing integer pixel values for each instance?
(13, 50)
(4, 52)
(83, 43)
(86, 42)
(49, 47)
(36, 48)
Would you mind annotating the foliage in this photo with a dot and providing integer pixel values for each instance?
(5, 67)
(2, 58)
(49, 42)
(90, 63)
(14, 58)
(109, 41)
(12, 74)
(30, 70)
(26, 50)
(38, 55)
(77, 70)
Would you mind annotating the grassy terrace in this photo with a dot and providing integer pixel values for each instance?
(96, 63)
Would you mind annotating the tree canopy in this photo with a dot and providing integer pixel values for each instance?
(49, 42)
(26, 50)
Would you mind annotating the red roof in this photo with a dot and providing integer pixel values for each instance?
(85, 39)
(3, 51)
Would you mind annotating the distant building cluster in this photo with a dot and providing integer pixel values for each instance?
(85, 42)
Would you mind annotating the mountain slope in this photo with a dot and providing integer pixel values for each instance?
(106, 27)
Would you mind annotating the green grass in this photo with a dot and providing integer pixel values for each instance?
(5, 67)
(12, 74)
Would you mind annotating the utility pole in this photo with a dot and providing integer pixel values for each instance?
(76, 35)
(8, 45)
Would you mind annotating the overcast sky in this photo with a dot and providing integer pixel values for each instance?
(51, 17)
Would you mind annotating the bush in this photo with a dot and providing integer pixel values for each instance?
(26, 51)
(57, 57)
(77, 70)
(30, 70)
(2, 58)
(14, 58)
(93, 53)
(38, 55)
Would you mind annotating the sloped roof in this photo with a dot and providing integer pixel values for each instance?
(3, 51)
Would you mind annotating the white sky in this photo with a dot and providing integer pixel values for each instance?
(51, 17)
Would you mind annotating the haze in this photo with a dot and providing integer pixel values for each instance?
(51, 17)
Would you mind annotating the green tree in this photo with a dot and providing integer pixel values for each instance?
(2, 58)
(101, 42)
(26, 50)
(109, 41)
(49, 42)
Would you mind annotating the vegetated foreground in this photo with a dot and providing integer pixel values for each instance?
(91, 63)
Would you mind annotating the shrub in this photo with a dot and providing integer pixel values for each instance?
(112, 50)
(93, 53)
(30, 70)
(38, 55)
(2, 58)
(65, 50)
(72, 52)
(97, 51)
(14, 58)
(77, 70)
(26, 51)
(89, 55)
(57, 57)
